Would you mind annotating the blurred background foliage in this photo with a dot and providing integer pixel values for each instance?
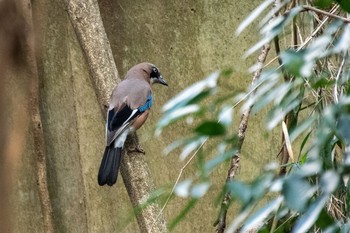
(310, 82)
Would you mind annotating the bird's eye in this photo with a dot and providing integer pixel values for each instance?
(155, 70)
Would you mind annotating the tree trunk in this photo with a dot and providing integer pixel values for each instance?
(87, 23)
(38, 134)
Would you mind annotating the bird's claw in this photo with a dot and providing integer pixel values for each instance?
(137, 148)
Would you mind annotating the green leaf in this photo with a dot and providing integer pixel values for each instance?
(176, 115)
(273, 28)
(347, 197)
(297, 193)
(192, 92)
(323, 82)
(343, 127)
(345, 228)
(211, 128)
(261, 185)
(303, 160)
(324, 220)
(323, 3)
(253, 15)
(306, 221)
(191, 146)
(344, 4)
(293, 61)
(342, 45)
(218, 159)
(261, 215)
(225, 115)
(182, 189)
(240, 191)
(329, 181)
(200, 189)
(301, 128)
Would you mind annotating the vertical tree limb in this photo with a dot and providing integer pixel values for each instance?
(87, 23)
(220, 223)
(292, 116)
(11, 35)
(38, 135)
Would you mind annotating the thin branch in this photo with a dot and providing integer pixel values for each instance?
(332, 15)
(332, 11)
(196, 152)
(178, 179)
(220, 223)
(335, 90)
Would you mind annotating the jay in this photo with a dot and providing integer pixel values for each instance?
(129, 106)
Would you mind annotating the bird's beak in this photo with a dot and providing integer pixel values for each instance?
(162, 81)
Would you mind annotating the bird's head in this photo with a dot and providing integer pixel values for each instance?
(147, 71)
(156, 76)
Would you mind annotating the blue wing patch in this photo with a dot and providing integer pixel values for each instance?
(147, 105)
(117, 119)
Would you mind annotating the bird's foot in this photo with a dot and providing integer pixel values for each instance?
(137, 148)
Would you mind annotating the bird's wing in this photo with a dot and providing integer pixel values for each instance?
(125, 108)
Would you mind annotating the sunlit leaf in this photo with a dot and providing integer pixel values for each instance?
(342, 45)
(267, 81)
(261, 215)
(278, 114)
(301, 128)
(225, 115)
(329, 181)
(347, 196)
(191, 146)
(240, 191)
(270, 96)
(276, 186)
(345, 227)
(236, 222)
(297, 193)
(182, 189)
(293, 61)
(309, 218)
(211, 128)
(175, 115)
(219, 159)
(310, 168)
(200, 189)
(261, 185)
(343, 127)
(272, 29)
(253, 15)
(192, 92)
(274, 11)
(177, 144)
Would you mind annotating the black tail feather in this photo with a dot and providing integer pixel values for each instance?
(110, 163)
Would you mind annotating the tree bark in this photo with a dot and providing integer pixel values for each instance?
(38, 134)
(12, 136)
(87, 23)
(220, 223)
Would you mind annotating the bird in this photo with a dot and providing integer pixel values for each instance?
(129, 106)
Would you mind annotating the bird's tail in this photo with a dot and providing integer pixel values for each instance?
(108, 172)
